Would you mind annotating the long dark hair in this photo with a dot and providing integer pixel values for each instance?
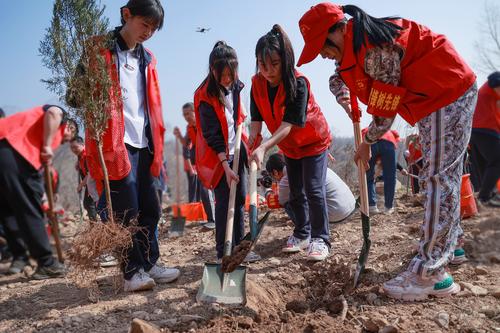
(222, 56)
(277, 40)
(378, 31)
(152, 10)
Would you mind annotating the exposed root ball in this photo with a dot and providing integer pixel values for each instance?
(92, 241)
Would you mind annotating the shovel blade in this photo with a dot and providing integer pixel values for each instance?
(258, 227)
(177, 226)
(365, 250)
(219, 287)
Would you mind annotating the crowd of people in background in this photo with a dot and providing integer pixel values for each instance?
(390, 64)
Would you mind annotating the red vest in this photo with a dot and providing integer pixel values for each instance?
(191, 133)
(208, 166)
(24, 132)
(390, 135)
(114, 150)
(431, 70)
(82, 164)
(415, 152)
(487, 114)
(312, 139)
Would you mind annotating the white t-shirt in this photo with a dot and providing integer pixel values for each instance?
(339, 198)
(133, 95)
(229, 113)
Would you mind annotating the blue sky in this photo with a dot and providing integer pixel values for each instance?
(183, 53)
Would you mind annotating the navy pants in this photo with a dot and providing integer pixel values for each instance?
(222, 204)
(306, 177)
(485, 157)
(386, 151)
(21, 191)
(135, 197)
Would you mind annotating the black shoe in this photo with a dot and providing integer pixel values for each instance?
(17, 266)
(55, 270)
(5, 255)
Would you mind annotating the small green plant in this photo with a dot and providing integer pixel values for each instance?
(73, 50)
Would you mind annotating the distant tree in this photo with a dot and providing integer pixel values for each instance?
(488, 45)
(72, 49)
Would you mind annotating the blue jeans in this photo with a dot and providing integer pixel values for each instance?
(306, 177)
(386, 151)
(133, 197)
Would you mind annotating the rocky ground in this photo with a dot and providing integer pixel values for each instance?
(285, 292)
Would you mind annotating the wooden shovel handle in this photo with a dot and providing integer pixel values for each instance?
(51, 214)
(232, 193)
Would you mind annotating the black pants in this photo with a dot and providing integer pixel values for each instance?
(485, 157)
(14, 238)
(135, 196)
(191, 187)
(222, 205)
(90, 206)
(21, 190)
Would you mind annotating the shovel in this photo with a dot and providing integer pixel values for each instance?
(51, 214)
(248, 242)
(365, 213)
(178, 222)
(217, 286)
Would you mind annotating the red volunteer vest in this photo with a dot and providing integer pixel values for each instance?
(415, 152)
(208, 166)
(390, 135)
(487, 114)
(313, 139)
(24, 132)
(191, 132)
(114, 150)
(431, 70)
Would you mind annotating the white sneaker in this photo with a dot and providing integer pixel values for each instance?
(388, 211)
(408, 286)
(295, 244)
(162, 274)
(374, 210)
(209, 225)
(139, 281)
(318, 250)
(107, 260)
(252, 257)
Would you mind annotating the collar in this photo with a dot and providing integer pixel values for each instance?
(235, 88)
(121, 45)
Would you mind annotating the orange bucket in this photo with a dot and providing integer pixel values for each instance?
(193, 212)
(498, 186)
(260, 200)
(468, 205)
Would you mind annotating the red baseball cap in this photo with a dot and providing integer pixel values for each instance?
(314, 26)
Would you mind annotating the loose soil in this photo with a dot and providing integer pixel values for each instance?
(285, 293)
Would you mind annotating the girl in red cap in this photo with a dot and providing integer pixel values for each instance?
(281, 97)
(396, 66)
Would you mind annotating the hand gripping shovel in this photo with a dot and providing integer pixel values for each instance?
(51, 214)
(217, 286)
(178, 221)
(365, 215)
(241, 251)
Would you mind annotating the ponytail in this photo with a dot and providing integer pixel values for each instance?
(277, 40)
(379, 31)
